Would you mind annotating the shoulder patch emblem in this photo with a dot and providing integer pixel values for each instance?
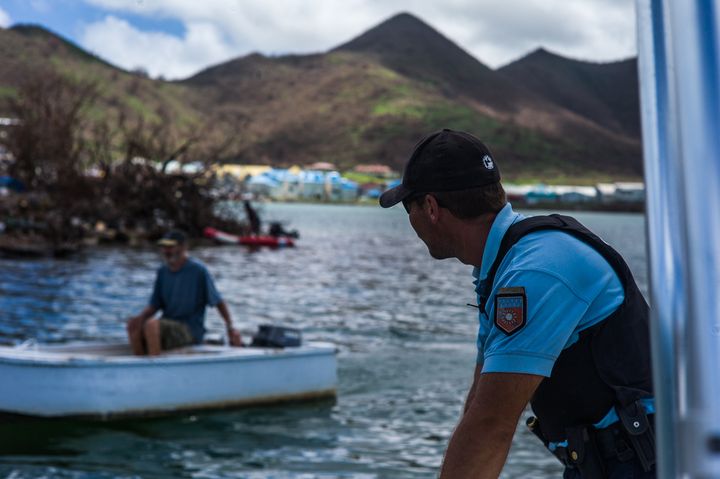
(510, 310)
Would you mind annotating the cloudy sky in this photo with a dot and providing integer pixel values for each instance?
(176, 38)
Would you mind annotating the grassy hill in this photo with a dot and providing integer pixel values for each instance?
(28, 48)
(369, 100)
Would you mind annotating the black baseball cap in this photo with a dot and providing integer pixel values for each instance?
(445, 160)
(172, 238)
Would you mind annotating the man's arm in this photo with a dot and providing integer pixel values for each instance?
(480, 444)
(233, 334)
(471, 392)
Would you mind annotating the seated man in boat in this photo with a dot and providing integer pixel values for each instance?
(183, 287)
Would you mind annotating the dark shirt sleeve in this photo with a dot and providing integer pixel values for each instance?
(156, 298)
(213, 296)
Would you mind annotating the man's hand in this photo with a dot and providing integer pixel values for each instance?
(232, 333)
(234, 337)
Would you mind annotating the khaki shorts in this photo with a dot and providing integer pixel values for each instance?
(174, 334)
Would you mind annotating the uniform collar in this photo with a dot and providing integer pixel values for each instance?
(504, 219)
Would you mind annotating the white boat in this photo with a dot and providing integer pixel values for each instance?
(105, 380)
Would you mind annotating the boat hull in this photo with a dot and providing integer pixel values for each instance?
(270, 241)
(58, 384)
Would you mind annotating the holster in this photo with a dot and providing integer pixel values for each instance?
(640, 432)
(534, 425)
(584, 454)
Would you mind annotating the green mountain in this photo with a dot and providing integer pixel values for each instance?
(368, 100)
(32, 50)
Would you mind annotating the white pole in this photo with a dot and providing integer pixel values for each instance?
(679, 63)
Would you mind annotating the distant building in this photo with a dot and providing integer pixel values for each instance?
(296, 184)
(371, 190)
(312, 185)
(338, 188)
(540, 194)
(262, 185)
(322, 166)
(606, 192)
(627, 192)
(241, 172)
(575, 194)
(621, 192)
(381, 171)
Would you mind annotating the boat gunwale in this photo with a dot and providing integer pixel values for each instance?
(43, 358)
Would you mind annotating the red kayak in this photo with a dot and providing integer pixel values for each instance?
(272, 241)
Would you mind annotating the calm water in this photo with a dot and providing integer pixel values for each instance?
(359, 278)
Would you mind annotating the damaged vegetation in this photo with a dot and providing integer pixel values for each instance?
(91, 173)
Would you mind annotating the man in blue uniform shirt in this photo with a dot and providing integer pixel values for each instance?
(183, 287)
(562, 323)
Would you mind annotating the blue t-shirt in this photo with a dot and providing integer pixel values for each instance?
(568, 285)
(183, 295)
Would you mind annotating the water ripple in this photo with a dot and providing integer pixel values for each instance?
(359, 278)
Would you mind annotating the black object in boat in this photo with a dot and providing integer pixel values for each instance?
(269, 336)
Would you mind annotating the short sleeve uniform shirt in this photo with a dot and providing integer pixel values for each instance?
(568, 286)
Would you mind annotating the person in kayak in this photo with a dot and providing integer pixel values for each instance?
(562, 324)
(183, 288)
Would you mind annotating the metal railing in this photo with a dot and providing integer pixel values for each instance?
(679, 64)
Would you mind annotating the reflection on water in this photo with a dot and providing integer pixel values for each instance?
(359, 277)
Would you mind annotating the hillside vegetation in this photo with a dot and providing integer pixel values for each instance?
(369, 101)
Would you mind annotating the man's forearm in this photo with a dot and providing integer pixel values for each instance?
(225, 313)
(478, 447)
(473, 386)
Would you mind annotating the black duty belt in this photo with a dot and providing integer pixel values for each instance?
(613, 442)
(588, 448)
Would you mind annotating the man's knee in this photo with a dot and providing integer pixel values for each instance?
(132, 329)
(134, 326)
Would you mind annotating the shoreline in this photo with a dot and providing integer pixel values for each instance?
(548, 205)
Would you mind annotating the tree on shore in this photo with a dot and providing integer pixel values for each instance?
(65, 130)
(48, 139)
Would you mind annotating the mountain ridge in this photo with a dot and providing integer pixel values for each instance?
(370, 98)
(606, 92)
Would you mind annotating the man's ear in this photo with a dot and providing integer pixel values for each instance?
(432, 208)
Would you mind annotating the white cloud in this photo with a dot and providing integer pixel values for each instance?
(495, 32)
(157, 52)
(4, 19)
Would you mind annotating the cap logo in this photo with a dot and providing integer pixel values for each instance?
(488, 162)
